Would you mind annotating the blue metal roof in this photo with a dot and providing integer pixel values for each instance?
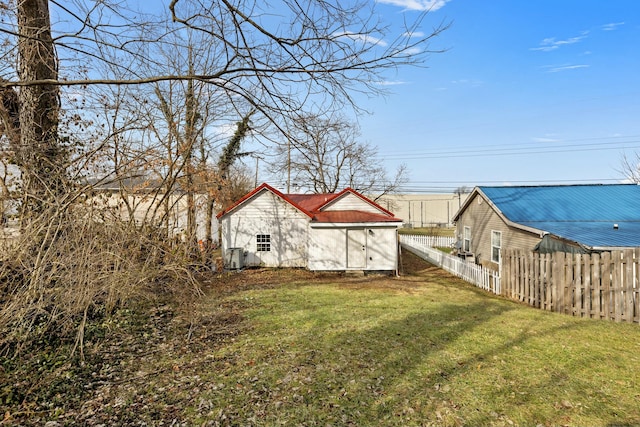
(582, 213)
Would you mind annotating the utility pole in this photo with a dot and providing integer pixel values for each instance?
(288, 165)
(256, 181)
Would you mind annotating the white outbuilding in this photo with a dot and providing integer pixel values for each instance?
(321, 232)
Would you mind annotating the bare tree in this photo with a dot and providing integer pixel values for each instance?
(630, 168)
(324, 155)
(282, 58)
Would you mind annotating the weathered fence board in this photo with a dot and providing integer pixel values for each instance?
(601, 286)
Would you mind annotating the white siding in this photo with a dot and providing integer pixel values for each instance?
(328, 249)
(268, 214)
(382, 249)
(350, 202)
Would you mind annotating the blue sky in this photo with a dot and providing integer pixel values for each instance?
(527, 93)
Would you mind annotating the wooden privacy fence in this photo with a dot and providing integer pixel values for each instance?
(601, 286)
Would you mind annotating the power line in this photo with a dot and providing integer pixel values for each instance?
(510, 149)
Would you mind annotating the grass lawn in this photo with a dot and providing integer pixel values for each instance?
(332, 350)
(429, 231)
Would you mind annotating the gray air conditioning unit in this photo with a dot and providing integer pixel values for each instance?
(234, 259)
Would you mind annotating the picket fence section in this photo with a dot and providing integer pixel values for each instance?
(483, 278)
(433, 241)
(601, 286)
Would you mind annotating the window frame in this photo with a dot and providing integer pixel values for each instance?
(263, 242)
(466, 238)
(498, 246)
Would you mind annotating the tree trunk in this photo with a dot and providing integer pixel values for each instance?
(39, 154)
(190, 139)
(211, 201)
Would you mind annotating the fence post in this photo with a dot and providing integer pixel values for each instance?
(587, 270)
(636, 285)
(596, 286)
(577, 286)
(505, 273)
(558, 281)
(535, 278)
(616, 277)
(606, 275)
(628, 285)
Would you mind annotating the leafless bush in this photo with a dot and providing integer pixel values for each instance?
(60, 273)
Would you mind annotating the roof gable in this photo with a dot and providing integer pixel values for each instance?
(361, 203)
(251, 195)
(318, 206)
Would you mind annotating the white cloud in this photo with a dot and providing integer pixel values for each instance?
(391, 83)
(612, 26)
(544, 139)
(550, 43)
(364, 38)
(414, 34)
(558, 68)
(412, 51)
(423, 5)
(468, 82)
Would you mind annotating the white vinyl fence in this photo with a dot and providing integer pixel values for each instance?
(484, 278)
(433, 241)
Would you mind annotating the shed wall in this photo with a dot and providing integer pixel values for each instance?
(328, 248)
(267, 214)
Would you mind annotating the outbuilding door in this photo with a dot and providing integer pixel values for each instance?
(356, 248)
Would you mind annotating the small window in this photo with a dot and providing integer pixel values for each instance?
(263, 242)
(467, 239)
(496, 244)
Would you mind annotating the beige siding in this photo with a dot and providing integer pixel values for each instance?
(349, 202)
(146, 208)
(424, 210)
(482, 219)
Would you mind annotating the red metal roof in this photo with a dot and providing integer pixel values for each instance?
(311, 202)
(352, 217)
(312, 205)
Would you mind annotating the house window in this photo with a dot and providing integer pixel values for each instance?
(263, 242)
(466, 245)
(496, 244)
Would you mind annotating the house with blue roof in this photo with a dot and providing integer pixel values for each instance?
(568, 218)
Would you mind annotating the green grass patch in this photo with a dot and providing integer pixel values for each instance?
(429, 231)
(440, 353)
(418, 350)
